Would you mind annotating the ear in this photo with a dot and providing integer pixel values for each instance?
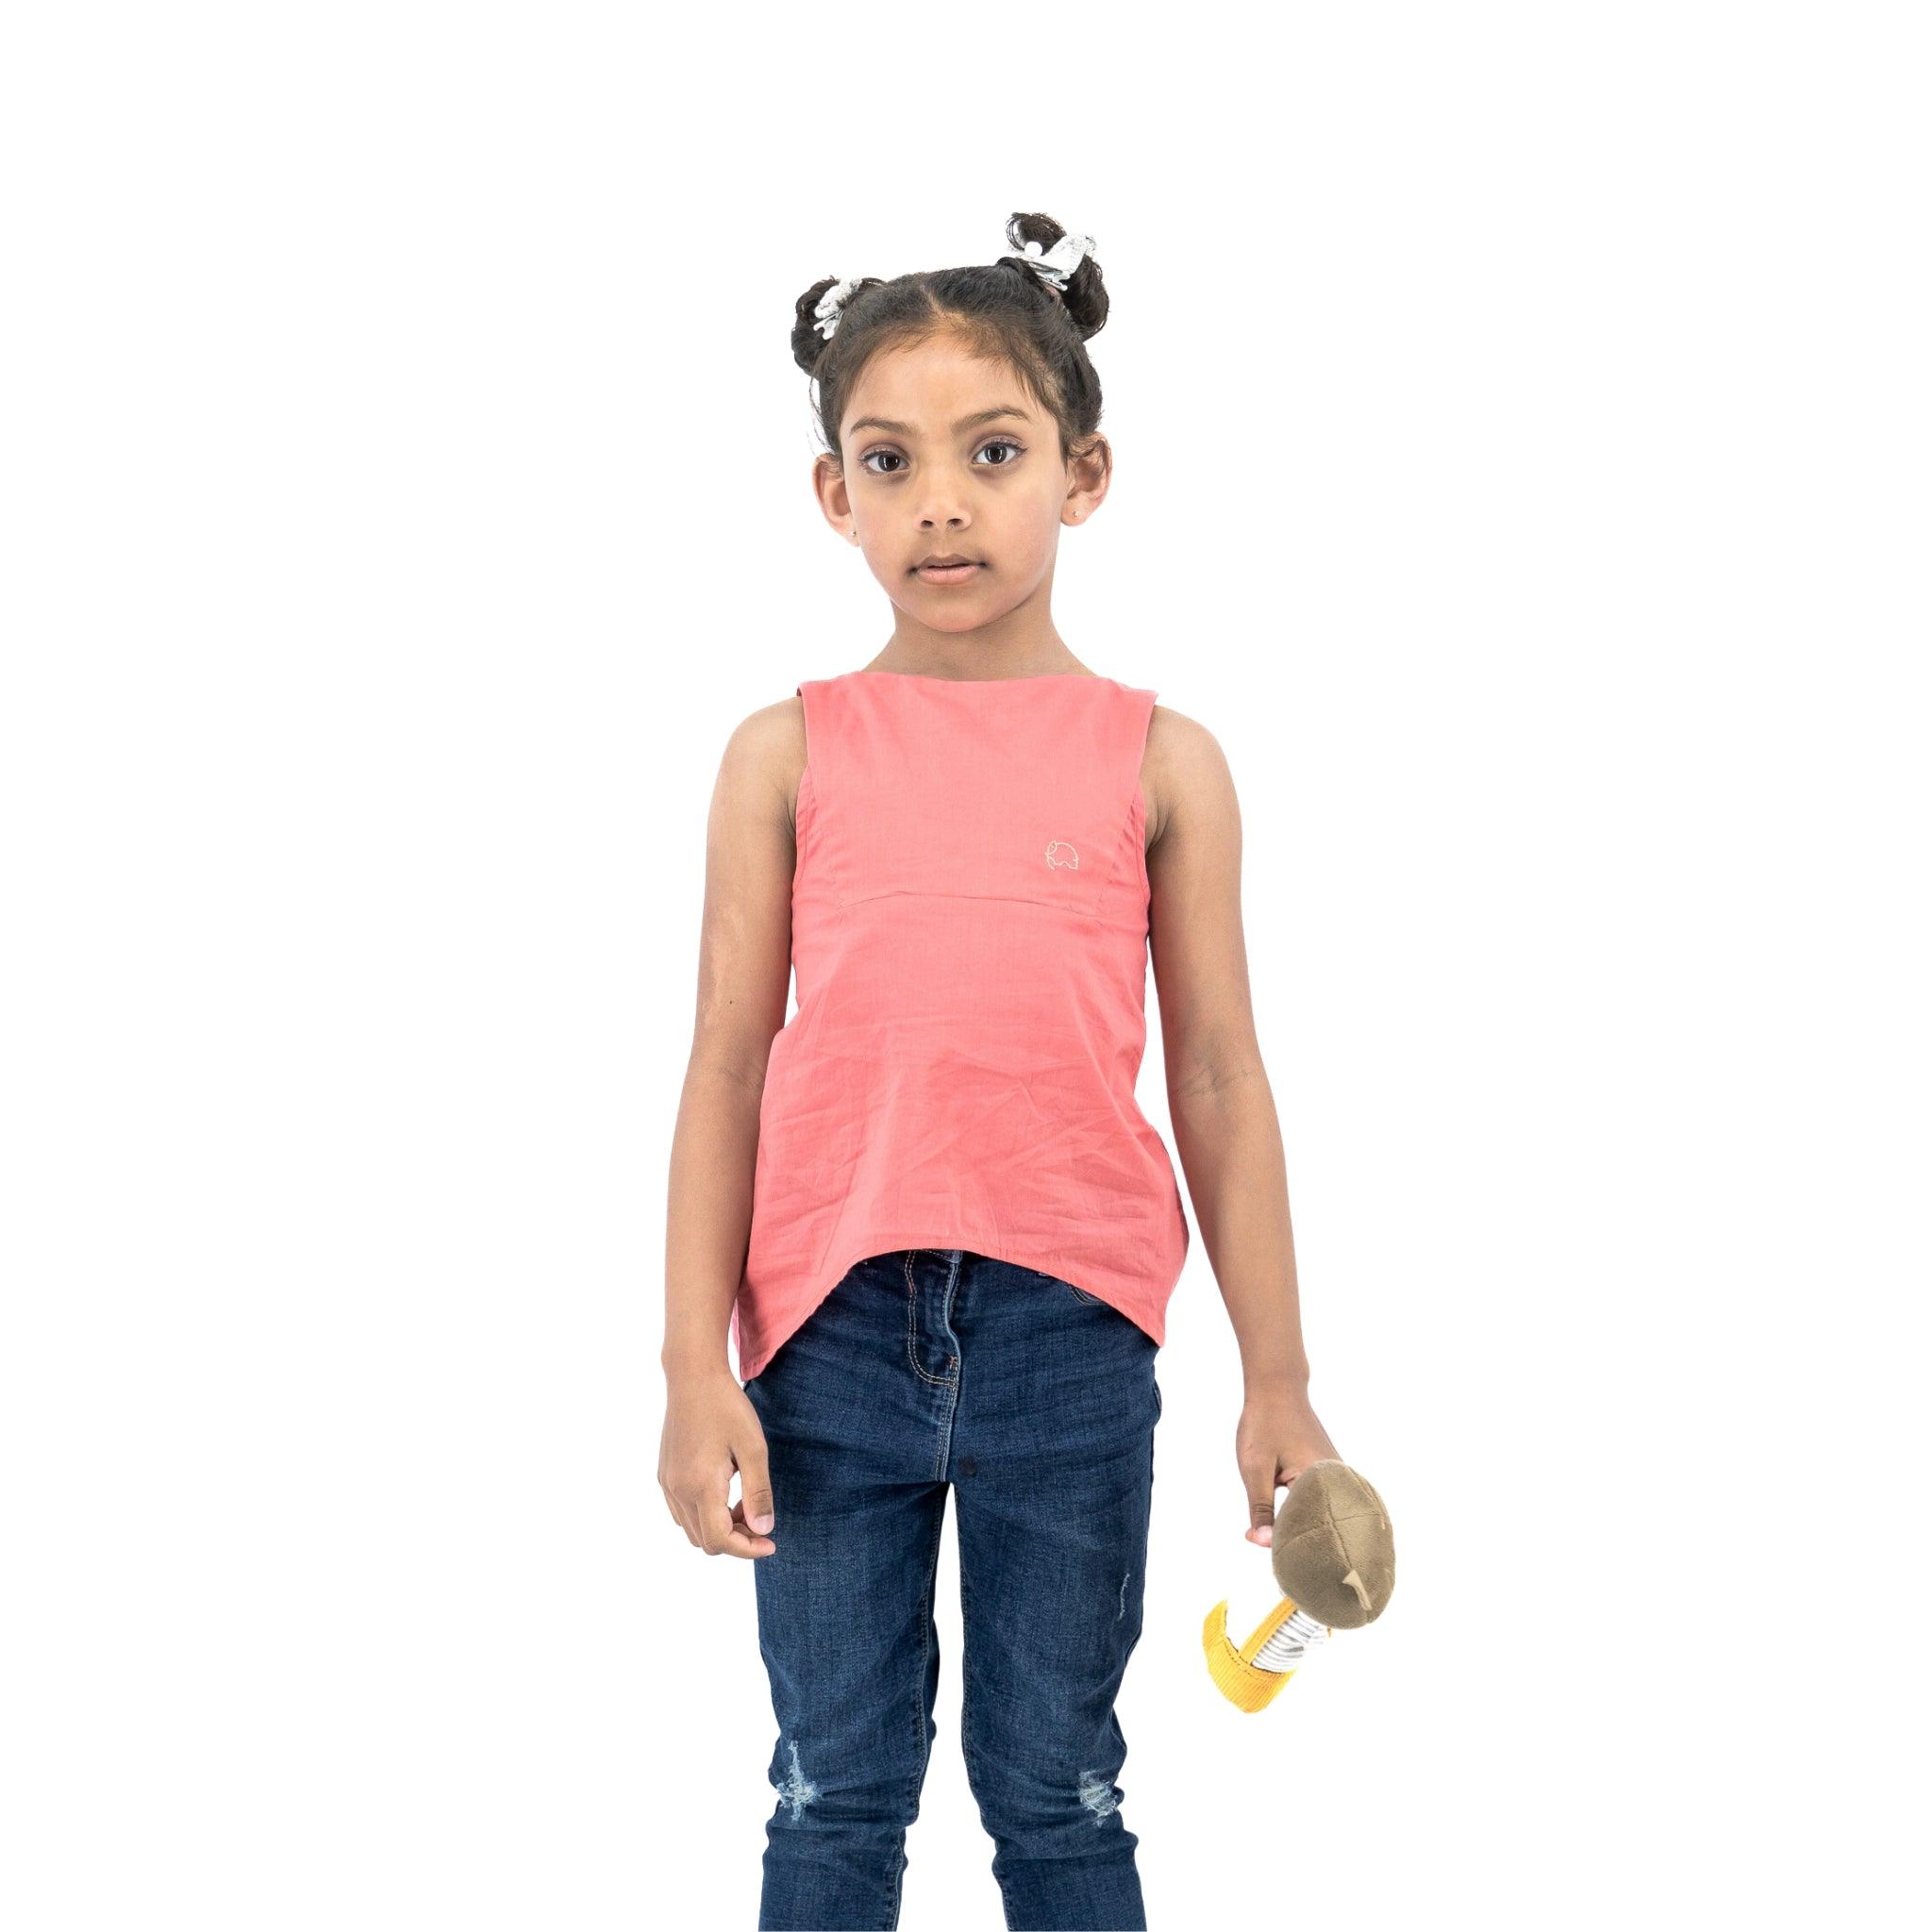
(834, 498)
(1090, 473)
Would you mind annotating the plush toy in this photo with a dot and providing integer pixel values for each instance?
(1334, 1557)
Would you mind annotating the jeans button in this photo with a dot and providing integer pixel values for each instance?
(968, 1467)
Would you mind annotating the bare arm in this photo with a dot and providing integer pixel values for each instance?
(1222, 1105)
(744, 970)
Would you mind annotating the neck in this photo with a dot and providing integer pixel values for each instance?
(1005, 648)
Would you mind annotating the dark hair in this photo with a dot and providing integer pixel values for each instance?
(1003, 309)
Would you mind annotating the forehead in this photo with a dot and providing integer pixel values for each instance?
(934, 389)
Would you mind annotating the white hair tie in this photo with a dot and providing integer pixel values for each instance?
(831, 305)
(1057, 264)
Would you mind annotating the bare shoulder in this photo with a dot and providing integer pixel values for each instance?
(764, 759)
(1184, 772)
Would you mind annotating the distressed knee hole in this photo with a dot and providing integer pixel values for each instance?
(1096, 1793)
(798, 1791)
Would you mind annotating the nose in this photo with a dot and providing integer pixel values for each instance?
(943, 505)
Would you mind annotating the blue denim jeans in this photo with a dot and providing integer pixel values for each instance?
(927, 1370)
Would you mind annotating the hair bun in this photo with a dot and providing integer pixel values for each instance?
(1084, 296)
(809, 332)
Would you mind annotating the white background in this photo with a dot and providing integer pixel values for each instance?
(1520, 419)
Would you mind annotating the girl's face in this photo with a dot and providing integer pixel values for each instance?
(947, 455)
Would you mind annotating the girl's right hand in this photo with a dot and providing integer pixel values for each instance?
(712, 1429)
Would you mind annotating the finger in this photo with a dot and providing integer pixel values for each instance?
(677, 1515)
(687, 1522)
(760, 1545)
(1259, 1479)
(723, 1533)
(755, 1489)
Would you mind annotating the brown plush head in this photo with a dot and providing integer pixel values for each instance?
(1334, 1550)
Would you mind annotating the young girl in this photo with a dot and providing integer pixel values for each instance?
(943, 1233)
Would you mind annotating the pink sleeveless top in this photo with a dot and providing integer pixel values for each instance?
(969, 934)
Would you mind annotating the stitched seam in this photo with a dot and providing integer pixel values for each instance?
(951, 1381)
(968, 1703)
(945, 1442)
(804, 807)
(925, 1606)
(911, 1333)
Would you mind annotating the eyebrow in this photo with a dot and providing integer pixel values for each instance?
(964, 424)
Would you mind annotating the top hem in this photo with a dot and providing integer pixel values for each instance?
(1151, 1323)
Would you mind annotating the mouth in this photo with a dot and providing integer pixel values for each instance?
(947, 569)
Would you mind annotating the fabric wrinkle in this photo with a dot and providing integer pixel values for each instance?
(969, 951)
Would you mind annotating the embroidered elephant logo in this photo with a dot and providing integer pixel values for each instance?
(1059, 853)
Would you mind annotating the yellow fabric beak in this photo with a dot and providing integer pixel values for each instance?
(1245, 1684)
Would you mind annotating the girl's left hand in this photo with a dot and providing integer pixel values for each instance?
(1278, 1436)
